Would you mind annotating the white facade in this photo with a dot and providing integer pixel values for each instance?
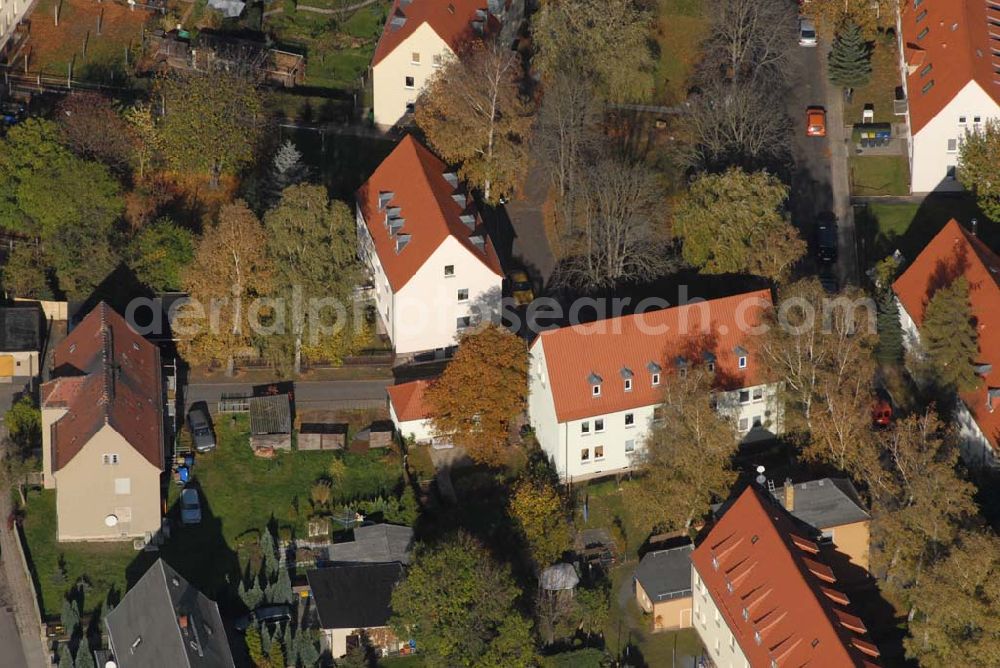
(718, 639)
(24, 364)
(439, 302)
(976, 450)
(418, 430)
(610, 443)
(11, 13)
(400, 77)
(335, 640)
(934, 149)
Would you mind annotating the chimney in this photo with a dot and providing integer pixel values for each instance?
(992, 393)
(789, 495)
(182, 621)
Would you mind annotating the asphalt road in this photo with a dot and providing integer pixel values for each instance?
(10, 641)
(812, 182)
(308, 394)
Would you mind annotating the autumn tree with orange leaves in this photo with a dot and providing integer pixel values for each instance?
(481, 390)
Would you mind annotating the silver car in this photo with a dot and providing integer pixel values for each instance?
(201, 428)
(190, 506)
(807, 32)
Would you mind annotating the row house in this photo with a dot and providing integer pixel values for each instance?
(950, 67)
(418, 39)
(955, 252)
(763, 597)
(433, 268)
(596, 389)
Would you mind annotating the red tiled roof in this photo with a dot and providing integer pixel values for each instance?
(106, 373)
(450, 19)
(952, 253)
(611, 349)
(408, 400)
(415, 177)
(750, 561)
(959, 45)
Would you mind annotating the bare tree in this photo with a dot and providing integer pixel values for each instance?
(568, 131)
(735, 123)
(622, 227)
(750, 39)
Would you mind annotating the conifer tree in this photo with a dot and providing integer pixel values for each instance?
(287, 169)
(255, 645)
(949, 337)
(890, 332)
(850, 64)
(65, 658)
(70, 616)
(276, 655)
(84, 657)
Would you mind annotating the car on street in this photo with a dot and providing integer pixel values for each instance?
(268, 614)
(807, 32)
(815, 122)
(201, 427)
(190, 507)
(520, 287)
(826, 237)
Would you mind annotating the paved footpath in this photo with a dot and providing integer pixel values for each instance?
(17, 605)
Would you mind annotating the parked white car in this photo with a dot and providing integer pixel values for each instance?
(807, 32)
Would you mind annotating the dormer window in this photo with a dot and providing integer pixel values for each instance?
(682, 366)
(741, 356)
(627, 376)
(595, 384)
(654, 371)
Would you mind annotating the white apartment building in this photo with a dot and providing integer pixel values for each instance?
(950, 67)
(11, 13)
(595, 389)
(956, 252)
(762, 597)
(420, 36)
(433, 268)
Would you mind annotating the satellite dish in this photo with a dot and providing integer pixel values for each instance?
(761, 478)
(110, 664)
(111, 520)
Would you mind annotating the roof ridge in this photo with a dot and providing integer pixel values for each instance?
(107, 362)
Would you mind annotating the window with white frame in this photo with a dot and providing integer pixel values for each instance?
(743, 361)
(585, 454)
(585, 427)
(953, 145)
(109, 459)
(415, 58)
(628, 384)
(436, 60)
(630, 419)
(962, 120)
(599, 425)
(758, 394)
(599, 452)
(630, 445)
(464, 322)
(744, 396)
(656, 379)
(463, 295)
(744, 424)
(449, 270)
(596, 390)
(409, 82)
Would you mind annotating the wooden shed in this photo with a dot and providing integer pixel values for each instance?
(322, 436)
(271, 422)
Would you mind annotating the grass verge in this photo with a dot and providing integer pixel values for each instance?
(880, 175)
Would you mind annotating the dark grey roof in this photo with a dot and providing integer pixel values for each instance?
(825, 503)
(354, 596)
(375, 543)
(164, 622)
(20, 329)
(270, 414)
(666, 574)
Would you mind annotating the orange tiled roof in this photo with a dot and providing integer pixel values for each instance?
(952, 253)
(612, 349)
(408, 400)
(450, 19)
(961, 45)
(105, 373)
(769, 584)
(427, 204)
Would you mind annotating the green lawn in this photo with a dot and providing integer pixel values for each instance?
(880, 175)
(881, 90)
(883, 228)
(681, 26)
(240, 493)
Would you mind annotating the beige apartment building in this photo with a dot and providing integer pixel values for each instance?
(102, 431)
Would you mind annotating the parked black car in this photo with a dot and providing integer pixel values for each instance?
(826, 237)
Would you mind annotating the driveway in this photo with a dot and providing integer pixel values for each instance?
(344, 394)
(819, 172)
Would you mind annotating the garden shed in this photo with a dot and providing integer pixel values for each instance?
(322, 435)
(270, 423)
